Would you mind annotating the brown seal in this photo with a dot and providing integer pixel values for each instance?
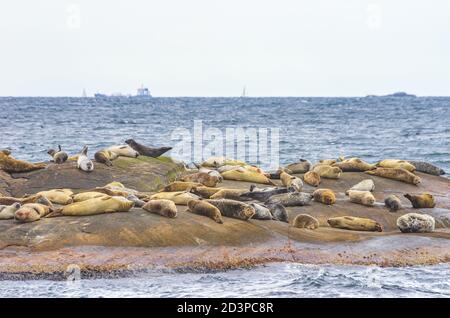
(327, 171)
(354, 165)
(31, 212)
(355, 224)
(422, 201)
(398, 174)
(325, 196)
(11, 165)
(312, 178)
(204, 208)
(305, 221)
(162, 207)
(105, 156)
(361, 197)
(201, 177)
(233, 194)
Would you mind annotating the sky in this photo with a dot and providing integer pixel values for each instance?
(215, 48)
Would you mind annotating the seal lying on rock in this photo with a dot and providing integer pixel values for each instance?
(106, 157)
(327, 171)
(147, 151)
(395, 174)
(325, 196)
(180, 197)
(58, 196)
(211, 172)
(416, 223)
(233, 194)
(243, 174)
(301, 166)
(361, 197)
(7, 211)
(263, 194)
(217, 162)
(11, 165)
(393, 203)
(138, 203)
(312, 178)
(291, 199)
(58, 156)
(355, 224)
(97, 206)
(261, 212)
(425, 200)
(30, 199)
(80, 197)
(205, 192)
(83, 162)
(201, 177)
(162, 207)
(290, 181)
(204, 208)
(365, 185)
(31, 212)
(180, 186)
(305, 221)
(233, 209)
(396, 163)
(354, 165)
(123, 151)
(427, 168)
(278, 211)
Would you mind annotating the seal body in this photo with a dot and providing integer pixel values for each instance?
(211, 172)
(124, 151)
(393, 203)
(327, 171)
(312, 178)
(263, 194)
(180, 197)
(12, 165)
(58, 156)
(233, 194)
(398, 174)
(424, 200)
(83, 162)
(365, 185)
(31, 212)
(7, 212)
(261, 212)
(427, 168)
(205, 192)
(58, 196)
(204, 208)
(291, 199)
(302, 166)
(291, 181)
(162, 207)
(354, 165)
(106, 157)
(355, 224)
(138, 203)
(147, 151)
(328, 162)
(217, 162)
(233, 209)
(80, 197)
(361, 197)
(325, 196)
(98, 206)
(278, 212)
(416, 223)
(201, 177)
(30, 199)
(396, 163)
(243, 174)
(180, 186)
(305, 221)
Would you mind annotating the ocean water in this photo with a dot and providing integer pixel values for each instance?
(312, 128)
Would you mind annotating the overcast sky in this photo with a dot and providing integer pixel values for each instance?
(214, 48)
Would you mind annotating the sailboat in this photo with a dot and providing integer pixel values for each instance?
(244, 92)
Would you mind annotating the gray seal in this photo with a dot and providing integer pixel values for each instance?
(278, 211)
(291, 199)
(427, 168)
(147, 151)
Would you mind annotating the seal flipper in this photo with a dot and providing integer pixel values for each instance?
(55, 212)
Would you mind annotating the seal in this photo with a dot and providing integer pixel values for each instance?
(138, 203)
(291, 181)
(261, 212)
(7, 211)
(354, 165)
(58, 196)
(58, 156)
(262, 194)
(179, 197)
(31, 212)
(204, 192)
(29, 199)
(305, 221)
(233, 209)
(278, 212)
(422, 201)
(325, 196)
(180, 186)
(11, 165)
(291, 199)
(204, 208)
(105, 156)
(201, 177)
(327, 171)
(416, 223)
(396, 163)
(312, 178)
(302, 166)
(328, 162)
(216, 162)
(80, 197)
(232, 194)
(361, 197)
(355, 224)
(211, 172)
(365, 185)
(243, 174)
(101, 205)
(396, 174)
(393, 203)
(83, 162)
(427, 168)
(147, 151)
(162, 207)
(124, 151)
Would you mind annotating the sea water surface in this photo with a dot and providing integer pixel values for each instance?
(312, 128)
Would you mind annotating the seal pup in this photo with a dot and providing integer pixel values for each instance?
(424, 200)
(243, 174)
(101, 205)
(180, 197)
(11, 165)
(180, 186)
(325, 196)
(124, 151)
(302, 166)
(233, 209)
(416, 223)
(138, 203)
(201, 177)
(396, 174)
(233, 194)
(355, 224)
(393, 203)
(327, 171)
(162, 207)
(31, 212)
(204, 208)
(262, 194)
(7, 211)
(80, 197)
(305, 221)
(290, 181)
(83, 162)
(361, 197)
(105, 156)
(204, 192)
(58, 196)
(58, 156)
(312, 178)
(396, 163)
(427, 168)
(278, 212)
(261, 212)
(147, 151)
(354, 165)
(291, 199)
(365, 185)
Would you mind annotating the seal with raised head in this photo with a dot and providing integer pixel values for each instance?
(355, 224)
(31, 212)
(396, 163)
(7, 211)
(325, 196)
(242, 174)
(263, 194)
(261, 212)
(233, 194)
(327, 171)
(427, 167)
(422, 201)
(147, 151)
(58, 196)
(361, 197)
(305, 221)
(201, 177)
(354, 165)
(398, 174)
(83, 162)
(179, 197)
(290, 181)
(180, 186)
(278, 212)
(233, 208)
(416, 223)
(162, 207)
(291, 199)
(58, 156)
(201, 207)
(97, 206)
(105, 156)
(365, 185)
(11, 165)
(393, 203)
(302, 166)
(312, 178)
